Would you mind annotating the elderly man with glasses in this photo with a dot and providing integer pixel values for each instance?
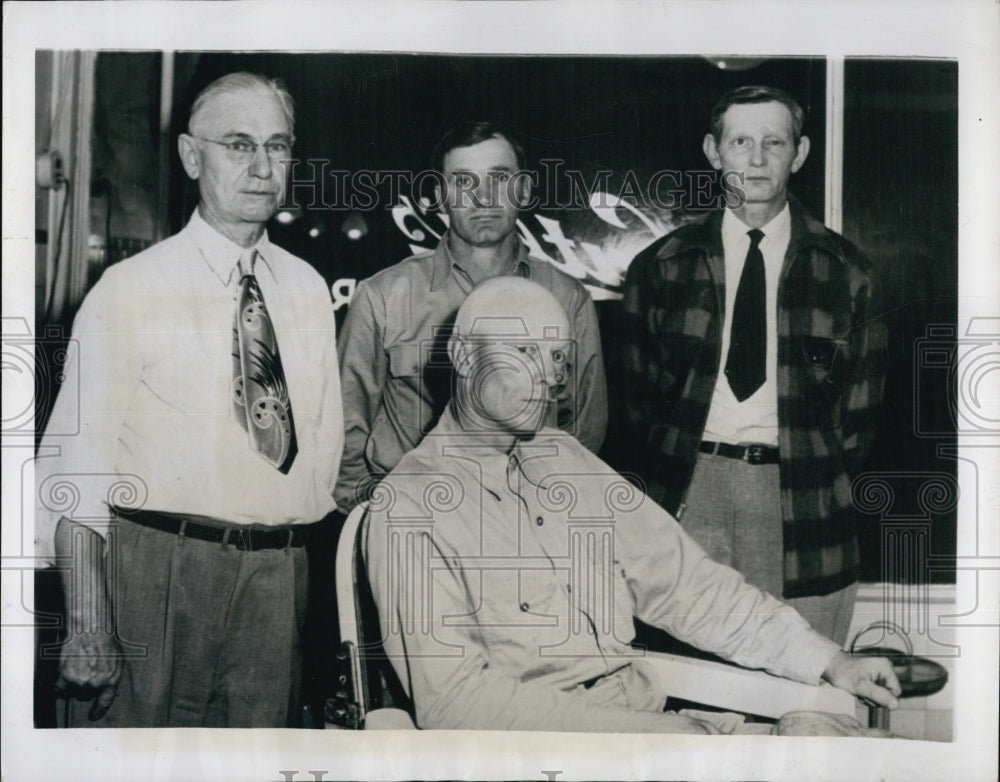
(210, 435)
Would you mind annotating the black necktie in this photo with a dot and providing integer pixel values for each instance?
(748, 335)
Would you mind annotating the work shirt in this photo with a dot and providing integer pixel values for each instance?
(396, 373)
(144, 418)
(506, 586)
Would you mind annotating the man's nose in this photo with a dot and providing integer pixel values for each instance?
(486, 190)
(757, 155)
(555, 377)
(260, 163)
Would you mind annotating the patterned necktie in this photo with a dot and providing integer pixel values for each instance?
(745, 363)
(260, 396)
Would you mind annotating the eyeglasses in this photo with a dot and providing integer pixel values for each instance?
(243, 150)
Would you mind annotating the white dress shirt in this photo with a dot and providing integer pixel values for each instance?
(152, 347)
(755, 419)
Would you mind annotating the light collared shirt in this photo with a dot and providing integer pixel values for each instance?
(506, 586)
(755, 419)
(150, 424)
(396, 372)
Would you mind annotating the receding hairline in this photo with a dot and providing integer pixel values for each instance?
(242, 84)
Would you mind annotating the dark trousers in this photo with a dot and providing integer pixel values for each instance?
(212, 634)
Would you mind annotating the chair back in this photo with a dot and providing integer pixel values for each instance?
(366, 680)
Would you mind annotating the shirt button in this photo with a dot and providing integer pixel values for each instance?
(524, 607)
(539, 521)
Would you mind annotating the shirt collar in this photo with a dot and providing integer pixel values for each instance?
(222, 254)
(444, 261)
(489, 466)
(776, 231)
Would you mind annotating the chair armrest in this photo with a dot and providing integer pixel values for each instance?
(389, 719)
(743, 690)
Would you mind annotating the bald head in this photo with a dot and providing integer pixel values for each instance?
(511, 349)
(512, 307)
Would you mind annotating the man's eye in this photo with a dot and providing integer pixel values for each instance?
(500, 176)
(740, 141)
(463, 180)
(775, 143)
(241, 146)
(277, 147)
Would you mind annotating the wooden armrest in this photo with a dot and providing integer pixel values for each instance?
(739, 689)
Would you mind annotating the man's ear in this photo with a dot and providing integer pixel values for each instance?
(439, 195)
(190, 157)
(801, 154)
(522, 191)
(711, 150)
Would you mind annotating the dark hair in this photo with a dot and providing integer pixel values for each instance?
(752, 93)
(469, 133)
(242, 82)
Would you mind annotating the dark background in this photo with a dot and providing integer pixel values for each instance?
(621, 114)
(638, 114)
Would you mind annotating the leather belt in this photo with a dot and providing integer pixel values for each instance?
(751, 454)
(241, 538)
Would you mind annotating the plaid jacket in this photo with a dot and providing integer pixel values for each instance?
(831, 359)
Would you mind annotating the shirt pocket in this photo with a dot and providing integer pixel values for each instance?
(822, 358)
(404, 363)
(521, 615)
(821, 367)
(420, 387)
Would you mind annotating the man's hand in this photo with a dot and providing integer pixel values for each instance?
(870, 678)
(91, 656)
(91, 660)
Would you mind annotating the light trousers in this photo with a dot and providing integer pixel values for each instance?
(733, 511)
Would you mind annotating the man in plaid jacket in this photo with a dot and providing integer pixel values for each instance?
(757, 463)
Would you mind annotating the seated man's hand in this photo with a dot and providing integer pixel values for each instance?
(91, 660)
(870, 678)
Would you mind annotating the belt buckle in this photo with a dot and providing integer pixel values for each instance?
(754, 454)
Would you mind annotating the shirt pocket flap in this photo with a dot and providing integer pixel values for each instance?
(824, 357)
(404, 361)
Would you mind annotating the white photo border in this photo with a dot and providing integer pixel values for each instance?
(966, 30)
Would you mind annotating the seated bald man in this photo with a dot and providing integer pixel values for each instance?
(507, 561)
